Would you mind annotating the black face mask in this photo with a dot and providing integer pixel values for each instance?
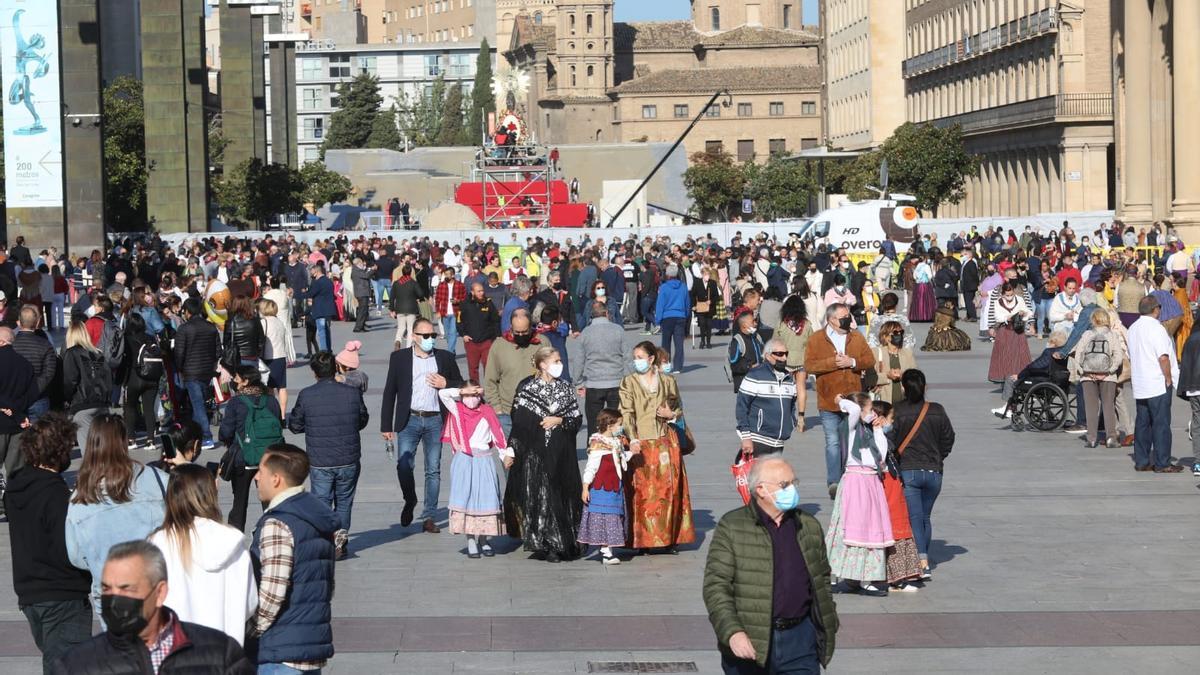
(897, 339)
(844, 323)
(123, 615)
(522, 339)
(780, 365)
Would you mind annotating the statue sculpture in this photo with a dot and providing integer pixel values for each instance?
(27, 54)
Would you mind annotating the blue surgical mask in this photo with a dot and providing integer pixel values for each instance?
(641, 365)
(426, 344)
(666, 369)
(887, 428)
(787, 498)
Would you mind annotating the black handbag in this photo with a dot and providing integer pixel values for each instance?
(231, 357)
(232, 463)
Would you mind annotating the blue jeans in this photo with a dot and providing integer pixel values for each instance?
(40, 407)
(324, 337)
(505, 423)
(1042, 313)
(428, 432)
(335, 487)
(614, 311)
(280, 669)
(792, 651)
(835, 440)
(379, 286)
(672, 341)
(1152, 431)
(921, 490)
(648, 310)
(195, 391)
(451, 328)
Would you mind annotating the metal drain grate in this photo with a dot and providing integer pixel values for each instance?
(642, 667)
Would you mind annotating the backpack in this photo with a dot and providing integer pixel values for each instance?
(95, 380)
(149, 361)
(112, 342)
(261, 429)
(1097, 357)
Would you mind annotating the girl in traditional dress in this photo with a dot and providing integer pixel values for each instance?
(1010, 353)
(860, 527)
(542, 504)
(660, 508)
(603, 522)
(923, 303)
(475, 437)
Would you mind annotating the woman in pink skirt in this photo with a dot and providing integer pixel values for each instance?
(1010, 352)
(860, 528)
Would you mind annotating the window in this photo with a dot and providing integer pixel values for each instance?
(787, 16)
(312, 99)
(312, 154)
(310, 69)
(714, 110)
(778, 146)
(591, 74)
(460, 65)
(716, 18)
(808, 143)
(571, 23)
(649, 112)
(335, 97)
(433, 65)
(714, 147)
(537, 18)
(681, 110)
(745, 151)
(588, 24)
(776, 108)
(366, 64)
(808, 108)
(745, 110)
(574, 79)
(314, 128)
(339, 65)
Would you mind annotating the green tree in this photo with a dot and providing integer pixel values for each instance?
(451, 132)
(716, 184)
(384, 133)
(125, 172)
(852, 177)
(482, 101)
(780, 188)
(930, 163)
(258, 192)
(322, 186)
(421, 119)
(351, 124)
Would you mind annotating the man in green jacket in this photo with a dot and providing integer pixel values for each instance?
(766, 582)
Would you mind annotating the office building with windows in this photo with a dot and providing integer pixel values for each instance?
(1030, 84)
(864, 47)
(404, 72)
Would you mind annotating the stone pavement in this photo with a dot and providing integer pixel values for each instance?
(1050, 557)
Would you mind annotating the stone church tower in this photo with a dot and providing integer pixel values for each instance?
(712, 16)
(585, 47)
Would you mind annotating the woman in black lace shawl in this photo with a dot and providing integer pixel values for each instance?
(543, 502)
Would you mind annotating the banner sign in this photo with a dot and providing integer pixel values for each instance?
(29, 49)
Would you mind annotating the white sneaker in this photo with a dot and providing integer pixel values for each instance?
(906, 588)
(1001, 412)
(610, 560)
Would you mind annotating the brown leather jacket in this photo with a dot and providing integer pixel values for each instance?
(831, 380)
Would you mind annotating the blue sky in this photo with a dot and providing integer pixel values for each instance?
(658, 10)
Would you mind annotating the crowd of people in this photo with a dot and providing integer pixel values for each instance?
(192, 342)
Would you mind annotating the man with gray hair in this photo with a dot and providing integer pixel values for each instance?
(601, 364)
(520, 292)
(142, 634)
(766, 403)
(766, 580)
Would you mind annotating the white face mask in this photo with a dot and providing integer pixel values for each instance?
(472, 402)
(599, 292)
(555, 370)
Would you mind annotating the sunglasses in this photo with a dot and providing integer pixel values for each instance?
(779, 355)
(425, 335)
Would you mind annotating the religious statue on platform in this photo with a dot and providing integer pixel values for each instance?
(28, 54)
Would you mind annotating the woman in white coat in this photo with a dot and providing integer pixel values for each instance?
(208, 564)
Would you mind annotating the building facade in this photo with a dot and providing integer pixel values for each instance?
(864, 86)
(1156, 85)
(1030, 83)
(714, 16)
(596, 80)
(404, 71)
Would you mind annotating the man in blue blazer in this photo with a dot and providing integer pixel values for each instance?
(412, 414)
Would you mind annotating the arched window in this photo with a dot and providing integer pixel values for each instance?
(573, 77)
(588, 24)
(571, 23)
(591, 74)
(537, 18)
(716, 18)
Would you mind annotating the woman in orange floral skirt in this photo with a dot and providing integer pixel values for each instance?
(660, 510)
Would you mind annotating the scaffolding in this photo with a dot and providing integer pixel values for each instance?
(516, 185)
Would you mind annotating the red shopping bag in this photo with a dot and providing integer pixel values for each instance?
(741, 475)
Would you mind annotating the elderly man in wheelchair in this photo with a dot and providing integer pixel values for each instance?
(1041, 395)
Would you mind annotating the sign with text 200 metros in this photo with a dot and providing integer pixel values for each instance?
(29, 48)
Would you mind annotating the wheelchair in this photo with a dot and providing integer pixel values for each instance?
(1043, 402)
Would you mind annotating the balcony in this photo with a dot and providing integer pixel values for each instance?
(1062, 108)
(1025, 28)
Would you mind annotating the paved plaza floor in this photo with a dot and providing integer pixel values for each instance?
(1050, 558)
